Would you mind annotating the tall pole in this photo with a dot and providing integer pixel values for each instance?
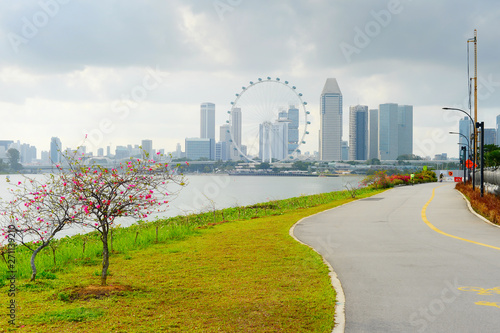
(475, 94)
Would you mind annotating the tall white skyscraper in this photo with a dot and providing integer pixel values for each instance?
(225, 137)
(373, 134)
(273, 140)
(358, 132)
(207, 121)
(405, 130)
(235, 134)
(330, 139)
(388, 131)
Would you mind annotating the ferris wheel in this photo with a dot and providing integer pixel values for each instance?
(268, 121)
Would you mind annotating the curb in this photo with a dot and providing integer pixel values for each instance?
(474, 212)
(339, 317)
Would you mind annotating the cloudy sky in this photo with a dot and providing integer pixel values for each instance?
(123, 71)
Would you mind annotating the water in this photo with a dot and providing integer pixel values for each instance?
(204, 192)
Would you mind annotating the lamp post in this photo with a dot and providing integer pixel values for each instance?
(474, 144)
(465, 152)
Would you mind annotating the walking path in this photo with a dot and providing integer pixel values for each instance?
(412, 259)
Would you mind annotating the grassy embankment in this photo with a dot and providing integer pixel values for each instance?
(244, 275)
(487, 206)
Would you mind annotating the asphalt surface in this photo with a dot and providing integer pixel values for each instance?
(400, 274)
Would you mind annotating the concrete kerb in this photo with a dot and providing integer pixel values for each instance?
(339, 316)
(474, 212)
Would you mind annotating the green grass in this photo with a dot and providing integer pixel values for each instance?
(240, 276)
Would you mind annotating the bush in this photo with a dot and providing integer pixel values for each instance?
(398, 182)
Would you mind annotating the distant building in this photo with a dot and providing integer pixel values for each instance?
(197, 148)
(293, 128)
(358, 132)
(441, 157)
(388, 131)
(225, 137)
(221, 151)
(490, 136)
(100, 152)
(147, 148)
(121, 152)
(345, 151)
(236, 131)
(273, 140)
(207, 121)
(330, 139)
(405, 130)
(373, 134)
(55, 150)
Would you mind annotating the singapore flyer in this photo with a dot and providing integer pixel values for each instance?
(268, 122)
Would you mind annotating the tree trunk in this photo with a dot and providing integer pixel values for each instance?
(157, 233)
(33, 256)
(105, 258)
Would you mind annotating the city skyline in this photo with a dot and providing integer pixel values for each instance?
(120, 83)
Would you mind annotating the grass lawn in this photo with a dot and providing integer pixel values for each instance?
(243, 276)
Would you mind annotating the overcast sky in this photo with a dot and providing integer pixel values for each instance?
(123, 71)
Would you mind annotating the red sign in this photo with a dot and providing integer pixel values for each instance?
(458, 179)
(469, 164)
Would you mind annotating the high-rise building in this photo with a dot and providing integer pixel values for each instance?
(55, 150)
(388, 131)
(235, 128)
(489, 136)
(273, 140)
(100, 152)
(464, 128)
(330, 140)
(147, 147)
(345, 150)
(200, 148)
(405, 130)
(373, 134)
(293, 128)
(207, 121)
(358, 132)
(224, 136)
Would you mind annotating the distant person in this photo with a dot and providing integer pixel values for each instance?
(441, 176)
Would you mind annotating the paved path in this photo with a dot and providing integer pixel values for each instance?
(400, 274)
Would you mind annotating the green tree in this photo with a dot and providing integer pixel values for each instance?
(13, 155)
(263, 166)
(301, 165)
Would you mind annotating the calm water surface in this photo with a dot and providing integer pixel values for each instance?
(205, 191)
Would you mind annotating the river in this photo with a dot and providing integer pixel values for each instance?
(203, 192)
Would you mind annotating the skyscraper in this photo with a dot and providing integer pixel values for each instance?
(489, 136)
(405, 130)
(147, 147)
(358, 132)
(55, 150)
(207, 121)
(235, 134)
(293, 128)
(388, 131)
(373, 134)
(330, 140)
(225, 138)
(273, 140)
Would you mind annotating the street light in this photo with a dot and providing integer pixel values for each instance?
(465, 153)
(473, 123)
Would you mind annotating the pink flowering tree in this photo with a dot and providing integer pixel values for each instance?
(135, 188)
(38, 210)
